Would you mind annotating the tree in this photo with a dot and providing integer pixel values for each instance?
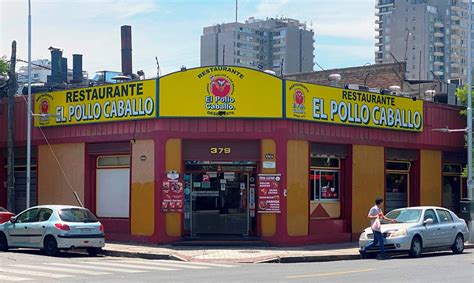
(4, 66)
(461, 94)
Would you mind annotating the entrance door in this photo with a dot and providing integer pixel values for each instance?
(219, 203)
(396, 191)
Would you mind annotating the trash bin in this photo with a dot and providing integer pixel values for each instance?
(467, 209)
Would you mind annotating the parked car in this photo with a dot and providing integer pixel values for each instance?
(418, 229)
(53, 228)
(5, 215)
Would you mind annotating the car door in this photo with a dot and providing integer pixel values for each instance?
(18, 233)
(430, 231)
(447, 226)
(37, 228)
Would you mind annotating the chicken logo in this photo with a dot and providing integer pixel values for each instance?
(298, 97)
(44, 106)
(220, 86)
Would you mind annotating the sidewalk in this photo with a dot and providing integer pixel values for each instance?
(314, 253)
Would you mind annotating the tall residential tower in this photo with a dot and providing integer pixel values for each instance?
(429, 35)
(274, 44)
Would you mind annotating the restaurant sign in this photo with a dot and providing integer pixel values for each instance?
(106, 103)
(351, 107)
(221, 91)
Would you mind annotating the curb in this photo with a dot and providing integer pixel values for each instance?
(138, 255)
(316, 258)
(277, 259)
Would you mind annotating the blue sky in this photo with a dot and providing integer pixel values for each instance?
(171, 29)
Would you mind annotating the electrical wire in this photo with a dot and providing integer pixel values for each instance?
(57, 161)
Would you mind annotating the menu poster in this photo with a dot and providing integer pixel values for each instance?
(172, 194)
(269, 192)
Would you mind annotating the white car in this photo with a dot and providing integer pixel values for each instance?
(52, 228)
(418, 229)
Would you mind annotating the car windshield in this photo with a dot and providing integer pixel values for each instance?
(405, 215)
(77, 215)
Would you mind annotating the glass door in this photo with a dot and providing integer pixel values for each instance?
(219, 203)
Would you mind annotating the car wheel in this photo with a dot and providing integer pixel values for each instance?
(3, 243)
(93, 251)
(416, 248)
(458, 246)
(50, 246)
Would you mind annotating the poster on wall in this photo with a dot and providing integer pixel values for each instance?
(172, 194)
(269, 193)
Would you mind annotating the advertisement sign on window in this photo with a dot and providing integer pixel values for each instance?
(172, 195)
(269, 193)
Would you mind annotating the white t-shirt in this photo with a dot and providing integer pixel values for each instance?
(374, 211)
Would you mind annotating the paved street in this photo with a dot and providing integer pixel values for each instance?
(72, 267)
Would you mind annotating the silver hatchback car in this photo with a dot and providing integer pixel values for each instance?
(418, 229)
(53, 228)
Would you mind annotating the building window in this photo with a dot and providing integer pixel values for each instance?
(113, 186)
(324, 178)
(397, 180)
(452, 186)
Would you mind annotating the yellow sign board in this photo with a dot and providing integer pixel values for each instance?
(351, 107)
(221, 91)
(106, 103)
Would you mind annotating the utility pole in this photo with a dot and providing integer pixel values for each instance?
(469, 115)
(12, 87)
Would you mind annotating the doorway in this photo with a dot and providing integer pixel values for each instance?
(218, 202)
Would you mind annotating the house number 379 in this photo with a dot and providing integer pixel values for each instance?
(220, 150)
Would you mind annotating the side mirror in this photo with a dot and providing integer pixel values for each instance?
(13, 219)
(428, 221)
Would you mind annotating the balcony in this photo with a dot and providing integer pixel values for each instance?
(438, 44)
(378, 36)
(438, 63)
(455, 36)
(455, 27)
(455, 17)
(379, 44)
(438, 34)
(439, 25)
(438, 73)
(454, 75)
(378, 28)
(378, 6)
(378, 22)
(455, 64)
(438, 53)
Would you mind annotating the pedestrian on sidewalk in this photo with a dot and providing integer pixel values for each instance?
(376, 216)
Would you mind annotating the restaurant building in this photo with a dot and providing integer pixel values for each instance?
(228, 151)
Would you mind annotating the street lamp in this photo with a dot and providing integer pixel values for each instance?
(469, 113)
(28, 124)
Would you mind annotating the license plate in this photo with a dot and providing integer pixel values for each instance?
(85, 229)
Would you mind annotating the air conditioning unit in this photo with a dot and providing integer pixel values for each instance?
(356, 87)
(456, 81)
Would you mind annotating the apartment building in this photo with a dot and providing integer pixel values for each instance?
(273, 44)
(429, 35)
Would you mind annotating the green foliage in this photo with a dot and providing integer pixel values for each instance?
(461, 94)
(4, 66)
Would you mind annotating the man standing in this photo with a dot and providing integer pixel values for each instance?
(376, 215)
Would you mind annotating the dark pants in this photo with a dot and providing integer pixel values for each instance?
(378, 239)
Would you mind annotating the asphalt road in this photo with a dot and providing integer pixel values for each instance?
(26, 265)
